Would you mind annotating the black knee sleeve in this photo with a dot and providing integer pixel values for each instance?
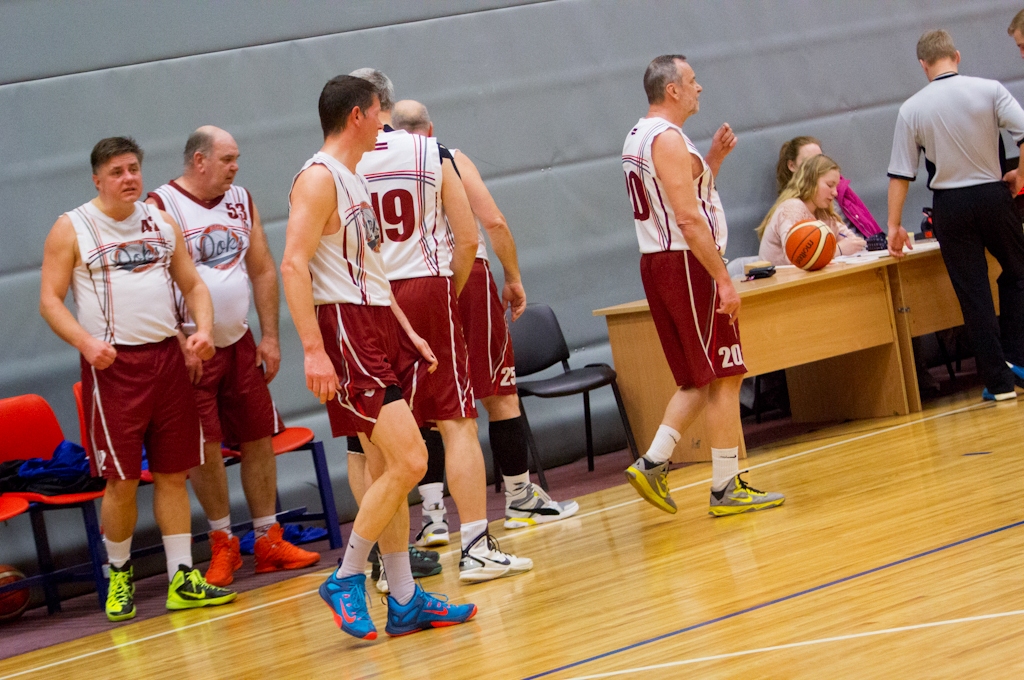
(435, 456)
(509, 446)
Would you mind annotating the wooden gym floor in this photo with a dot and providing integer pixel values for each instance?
(898, 553)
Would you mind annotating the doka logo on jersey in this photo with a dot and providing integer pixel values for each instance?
(134, 256)
(371, 226)
(218, 246)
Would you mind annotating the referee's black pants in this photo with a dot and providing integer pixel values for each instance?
(968, 221)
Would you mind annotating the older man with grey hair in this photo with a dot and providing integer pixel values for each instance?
(385, 88)
(225, 239)
(491, 360)
(429, 251)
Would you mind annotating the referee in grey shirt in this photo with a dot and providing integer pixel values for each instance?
(955, 120)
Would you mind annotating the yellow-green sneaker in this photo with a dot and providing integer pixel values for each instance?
(121, 593)
(189, 590)
(651, 483)
(739, 497)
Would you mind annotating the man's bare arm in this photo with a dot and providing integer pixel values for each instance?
(460, 219)
(60, 254)
(194, 291)
(722, 144)
(493, 221)
(259, 262)
(314, 202)
(898, 237)
(672, 163)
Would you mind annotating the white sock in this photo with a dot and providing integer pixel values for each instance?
(119, 552)
(260, 525)
(223, 524)
(725, 464)
(663, 445)
(469, 531)
(432, 495)
(516, 484)
(356, 554)
(178, 551)
(399, 571)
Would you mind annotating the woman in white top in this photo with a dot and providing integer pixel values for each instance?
(810, 195)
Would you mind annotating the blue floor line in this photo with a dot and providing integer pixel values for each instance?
(791, 596)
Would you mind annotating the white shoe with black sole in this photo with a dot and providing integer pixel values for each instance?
(534, 506)
(484, 561)
(435, 528)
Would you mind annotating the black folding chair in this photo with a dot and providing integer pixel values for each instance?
(538, 344)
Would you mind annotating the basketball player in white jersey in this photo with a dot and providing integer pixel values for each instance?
(682, 232)
(362, 358)
(225, 239)
(491, 360)
(428, 242)
(121, 258)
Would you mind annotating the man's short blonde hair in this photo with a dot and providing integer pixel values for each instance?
(1017, 24)
(935, 45)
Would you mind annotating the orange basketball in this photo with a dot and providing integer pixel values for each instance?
(13, 603)
(810, 244)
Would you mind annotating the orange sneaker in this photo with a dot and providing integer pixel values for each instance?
(225, 561)
(273, 553)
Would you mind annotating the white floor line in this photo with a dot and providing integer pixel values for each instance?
(155, 636)
(804, 643)
(505, 537)
(704, 482)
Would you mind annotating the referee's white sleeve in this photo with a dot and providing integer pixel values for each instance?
(1009, 114)
(906, 154)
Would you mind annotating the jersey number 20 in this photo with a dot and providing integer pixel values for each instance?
(731, 356)
(637, 193)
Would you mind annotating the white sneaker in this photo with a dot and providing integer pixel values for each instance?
(435, 528)
(534, 506)
(484, 561)
(382, 582)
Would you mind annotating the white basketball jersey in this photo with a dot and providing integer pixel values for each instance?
(123, 288)
(656, 227)
(347, 265)
(481, 246)
(404, 176)
(217, 237)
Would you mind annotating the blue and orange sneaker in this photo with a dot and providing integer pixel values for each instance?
(425, 611)
(347, 599)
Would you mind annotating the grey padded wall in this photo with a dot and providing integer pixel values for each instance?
(539, 94)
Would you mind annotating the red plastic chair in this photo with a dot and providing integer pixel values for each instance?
(11, 506)
(29, 429)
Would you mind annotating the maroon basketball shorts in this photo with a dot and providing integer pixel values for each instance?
(232, 396)
(370, 351)
(492, 364)
(143, 398)
(700, 344)
(432, 308)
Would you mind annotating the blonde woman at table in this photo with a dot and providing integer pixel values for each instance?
(810, 195)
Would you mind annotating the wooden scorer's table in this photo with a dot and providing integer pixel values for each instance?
(843, 334)
(833, 331)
